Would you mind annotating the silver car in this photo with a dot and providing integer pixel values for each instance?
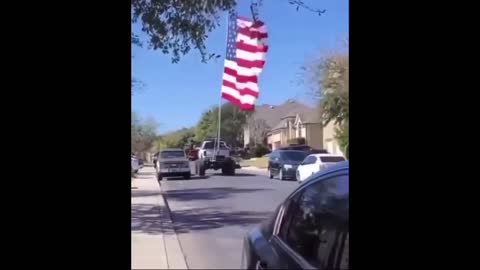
(171, 163)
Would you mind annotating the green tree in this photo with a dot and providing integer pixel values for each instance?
(175, 139)
(334, 90)
(207, 125)
(176, 26)
(232, 123)
(143, 133)
(330, 81)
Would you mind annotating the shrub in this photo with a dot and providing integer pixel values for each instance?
(296, 141)
(261, 150)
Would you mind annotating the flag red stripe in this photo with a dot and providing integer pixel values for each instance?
(250, 64)
(252, 34)
(240, 78)
(243, 92)
(240, 83)
(236, 102)
(251, 48)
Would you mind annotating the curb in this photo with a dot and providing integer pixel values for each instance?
(175, 256)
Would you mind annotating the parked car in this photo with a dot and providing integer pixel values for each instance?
(309, 230)
(304, 147)
(135, 165)
(284, 163)
(172, 162)
(316, 162)
(155, 159)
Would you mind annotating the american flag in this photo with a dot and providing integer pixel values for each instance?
(244, 61)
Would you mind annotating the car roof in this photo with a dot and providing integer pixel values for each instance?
(321, 175)
(326, 155)
(290, 150)
(172, 149)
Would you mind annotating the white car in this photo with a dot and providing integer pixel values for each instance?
(316, 162)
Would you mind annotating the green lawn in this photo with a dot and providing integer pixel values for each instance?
(259, 162)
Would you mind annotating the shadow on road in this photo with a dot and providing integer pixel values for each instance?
(143, 176)
(236, 174)
(145, 193)
(205, 219)
(213, 193)
(192, 178)
(145, 218)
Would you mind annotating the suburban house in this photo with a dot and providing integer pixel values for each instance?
(276, 125)
(301, 124)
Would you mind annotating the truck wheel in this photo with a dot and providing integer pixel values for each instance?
(225, 171)
(201, 169)
(229, 168)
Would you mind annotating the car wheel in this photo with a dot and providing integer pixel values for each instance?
(159, 176)
(187, 176)
(270, 174)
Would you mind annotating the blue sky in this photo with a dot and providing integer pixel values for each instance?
(175, 95)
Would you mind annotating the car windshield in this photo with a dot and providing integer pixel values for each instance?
(332, 159)
(293, 155)
(211, 145)
(172, 154)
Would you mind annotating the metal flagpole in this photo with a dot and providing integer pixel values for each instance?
(219, 123)
(217, 146)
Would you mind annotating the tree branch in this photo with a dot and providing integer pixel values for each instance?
(301, 4)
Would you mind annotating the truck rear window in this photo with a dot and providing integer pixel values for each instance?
(211, 145)
(172, 154)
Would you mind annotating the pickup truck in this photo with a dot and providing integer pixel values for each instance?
(172, 163)
(213, 155)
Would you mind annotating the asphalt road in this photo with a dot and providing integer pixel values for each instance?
(212, 214)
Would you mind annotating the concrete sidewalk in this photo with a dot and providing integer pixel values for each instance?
(155, 244)
(263, 171)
